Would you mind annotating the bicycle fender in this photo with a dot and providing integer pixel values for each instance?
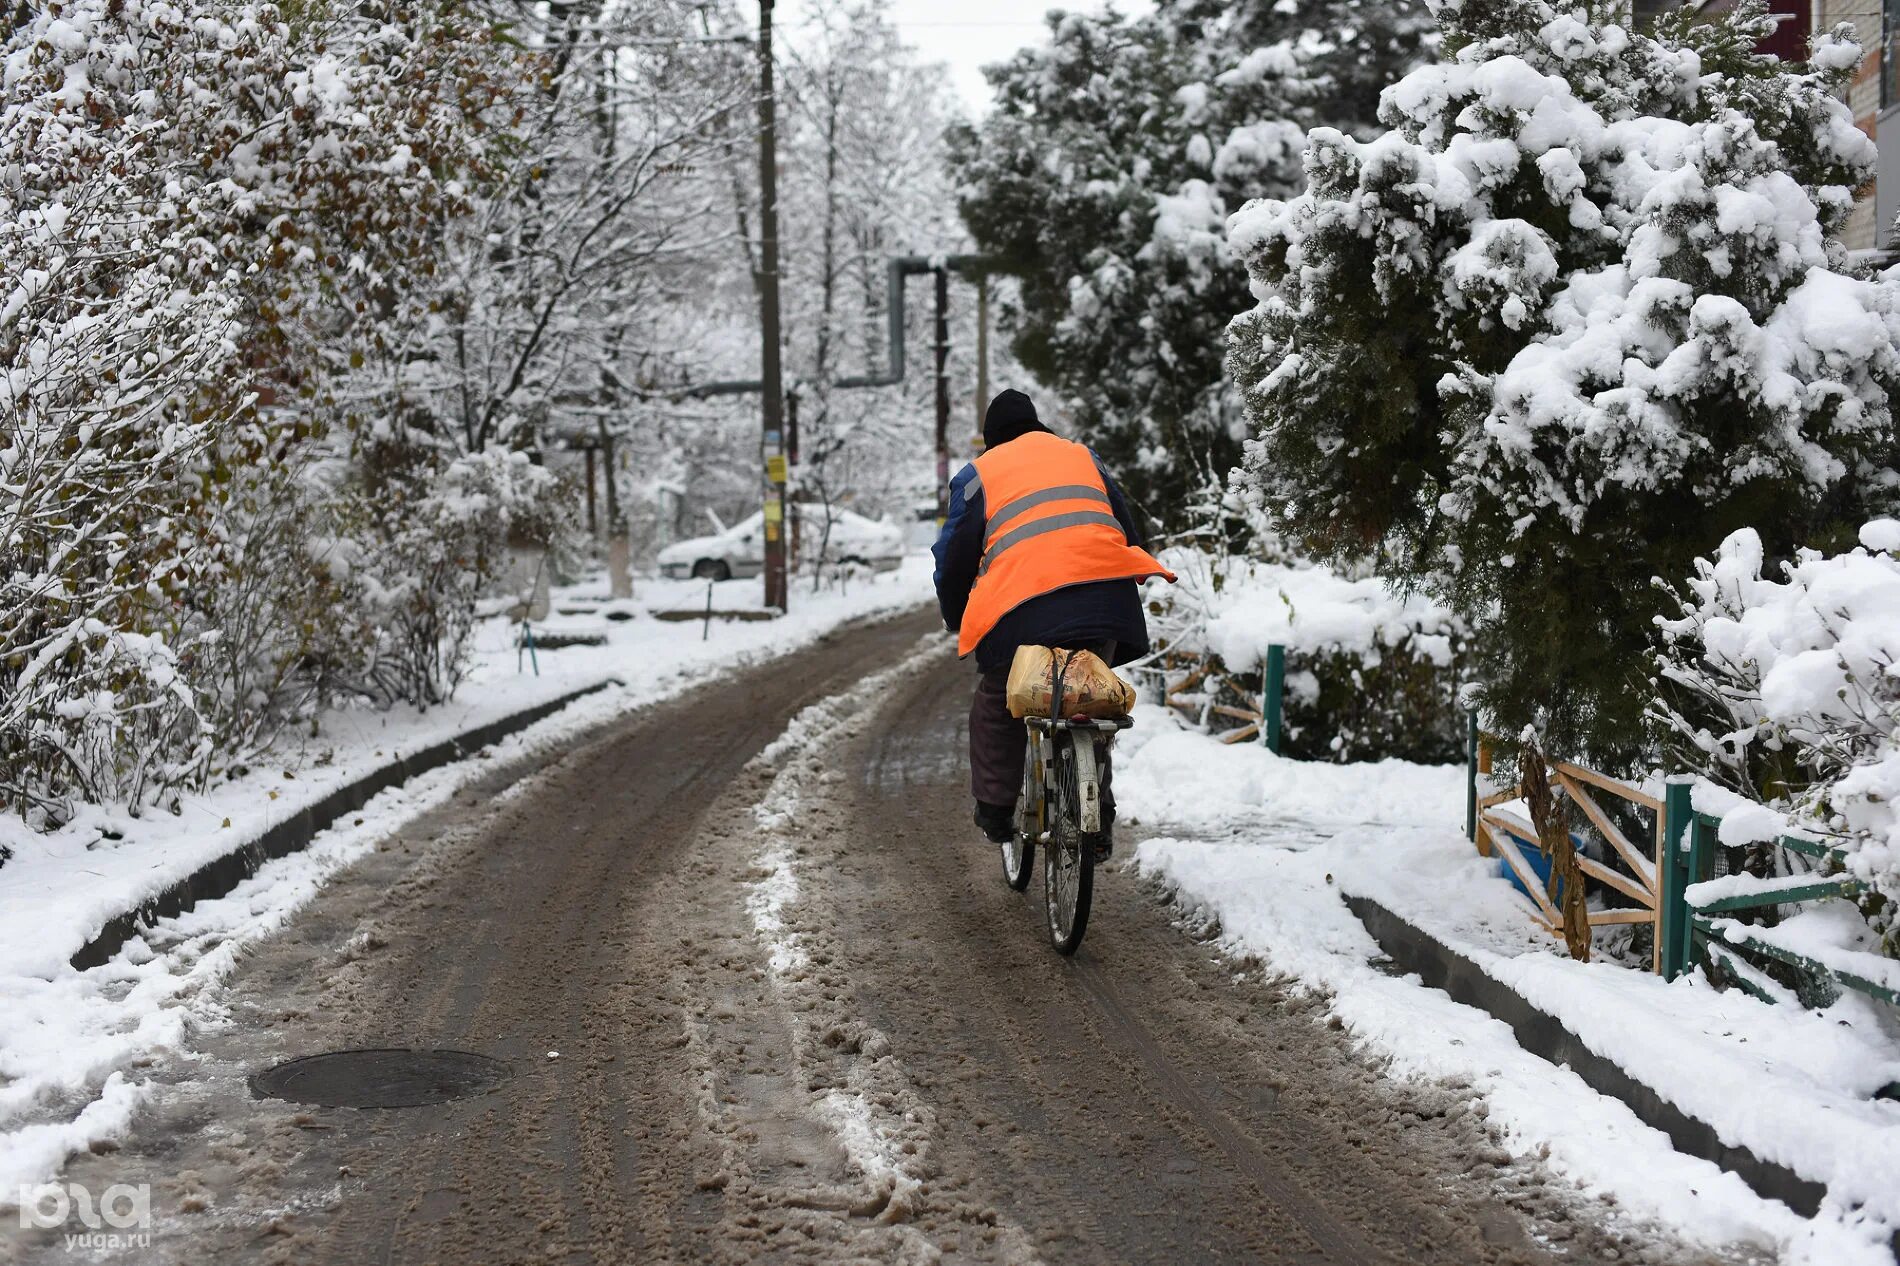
(1088, 787)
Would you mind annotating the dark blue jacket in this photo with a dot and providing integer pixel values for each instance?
(1078, 615)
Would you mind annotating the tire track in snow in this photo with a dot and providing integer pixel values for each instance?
(853, 1081)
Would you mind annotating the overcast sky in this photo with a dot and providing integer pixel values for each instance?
(969, 34)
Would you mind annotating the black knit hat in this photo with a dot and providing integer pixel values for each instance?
(1011, 414)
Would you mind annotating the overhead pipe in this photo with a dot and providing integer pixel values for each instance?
(899, 267)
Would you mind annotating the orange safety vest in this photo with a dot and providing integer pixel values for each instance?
(1050, 526)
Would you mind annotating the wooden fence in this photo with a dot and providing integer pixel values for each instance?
(1498, 832)
(1198, 691)
(1666, 880)
(1656, 866)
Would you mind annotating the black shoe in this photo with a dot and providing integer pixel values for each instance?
(1105, 842)
(997, 821)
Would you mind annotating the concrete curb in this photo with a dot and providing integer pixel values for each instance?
(1543, 1035)
(219, 876)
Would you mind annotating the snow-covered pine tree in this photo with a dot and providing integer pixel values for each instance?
(1576, 317)
(1102, 179)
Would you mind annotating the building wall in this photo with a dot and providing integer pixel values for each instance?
(1792, 32)
(1863, 98)
(1887, 197)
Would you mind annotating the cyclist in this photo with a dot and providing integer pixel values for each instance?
(1038, 549)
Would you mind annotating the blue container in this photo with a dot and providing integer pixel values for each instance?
(1540, 864)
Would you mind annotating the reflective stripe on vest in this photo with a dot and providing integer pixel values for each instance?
(1068, 492)
(1049, 526)
(1054, 523)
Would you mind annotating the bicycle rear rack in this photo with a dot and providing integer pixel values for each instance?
(1100, 724)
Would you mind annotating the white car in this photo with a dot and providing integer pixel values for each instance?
(739, 551)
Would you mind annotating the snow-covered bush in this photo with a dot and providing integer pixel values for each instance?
(1370, 674)
(261, 624)
(207, 216)
(420, 547)
(113, 317)
(101, 441)
(1101, 181)
(1788, 692)
(1578, 315)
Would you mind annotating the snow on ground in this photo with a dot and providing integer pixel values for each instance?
(1268, 845)
(71, 1042)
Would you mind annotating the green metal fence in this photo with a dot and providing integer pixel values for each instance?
(1701, 930)
(1273, 697)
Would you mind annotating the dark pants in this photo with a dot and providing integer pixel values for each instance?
(998, 740)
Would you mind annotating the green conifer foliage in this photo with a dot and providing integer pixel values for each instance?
(1581, 313)
(1102, 180)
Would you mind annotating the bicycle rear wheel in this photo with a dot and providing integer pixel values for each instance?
(1068, 864)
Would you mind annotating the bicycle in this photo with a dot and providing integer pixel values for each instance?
(1060, 810)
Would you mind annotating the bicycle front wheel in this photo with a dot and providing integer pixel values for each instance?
(1019, 859)
(1068, 864)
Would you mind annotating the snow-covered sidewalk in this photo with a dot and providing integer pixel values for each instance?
(70, 1040)
(1270, 846)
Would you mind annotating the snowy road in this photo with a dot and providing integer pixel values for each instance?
(784, 1007)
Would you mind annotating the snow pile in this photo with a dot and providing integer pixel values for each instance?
(1794, 685)
(71, 1039)
(1370, 673)
(1236, 607)
(1268, 846)
(1170, 781)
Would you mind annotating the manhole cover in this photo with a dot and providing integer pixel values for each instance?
(387, 1078)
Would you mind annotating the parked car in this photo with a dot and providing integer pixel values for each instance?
(739, 551)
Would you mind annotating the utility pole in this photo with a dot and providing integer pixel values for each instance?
(943, 392)
(619, 548)
(593, 520)
(793, 509)
(772, 373)
(982, 348)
